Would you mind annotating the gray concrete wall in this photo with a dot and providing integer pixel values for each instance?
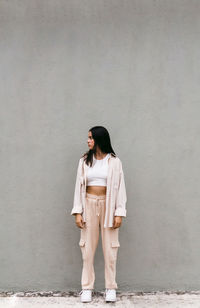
(134, 67)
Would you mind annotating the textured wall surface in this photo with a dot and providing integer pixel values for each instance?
(132, 66)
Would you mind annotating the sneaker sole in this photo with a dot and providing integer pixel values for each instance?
(108, 300)
(86, 301)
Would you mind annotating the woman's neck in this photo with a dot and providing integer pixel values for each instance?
(100, 155)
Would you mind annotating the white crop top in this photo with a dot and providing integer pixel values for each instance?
(97, 173)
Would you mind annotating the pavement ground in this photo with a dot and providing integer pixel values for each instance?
(144, 300)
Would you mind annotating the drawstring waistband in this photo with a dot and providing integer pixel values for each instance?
(101, 197)
(97, 198)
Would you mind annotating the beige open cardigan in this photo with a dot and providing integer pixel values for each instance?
(116, 196)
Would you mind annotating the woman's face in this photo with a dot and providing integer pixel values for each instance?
(90, 141)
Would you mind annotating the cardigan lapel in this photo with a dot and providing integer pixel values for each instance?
(86, 167)
(109, 174)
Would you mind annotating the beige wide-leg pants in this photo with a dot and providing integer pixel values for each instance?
(95, 213)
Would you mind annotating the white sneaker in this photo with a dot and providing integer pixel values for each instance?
(110, 295)
(86, 295)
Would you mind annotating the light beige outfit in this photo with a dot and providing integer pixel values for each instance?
(98, 213)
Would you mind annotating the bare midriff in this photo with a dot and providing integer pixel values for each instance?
(96, 190)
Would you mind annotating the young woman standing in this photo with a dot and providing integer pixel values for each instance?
(99, 204)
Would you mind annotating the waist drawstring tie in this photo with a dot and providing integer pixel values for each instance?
(97, 207)
(97, 199)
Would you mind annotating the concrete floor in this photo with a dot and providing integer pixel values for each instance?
(158, 300)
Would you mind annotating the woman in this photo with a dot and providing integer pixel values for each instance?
(99, 203)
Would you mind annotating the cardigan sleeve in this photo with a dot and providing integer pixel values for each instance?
(120, 208)
(77, 202)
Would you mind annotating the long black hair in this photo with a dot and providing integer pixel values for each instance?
(102, 139)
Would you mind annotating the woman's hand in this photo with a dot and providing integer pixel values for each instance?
(117, 222)
(79, 221)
